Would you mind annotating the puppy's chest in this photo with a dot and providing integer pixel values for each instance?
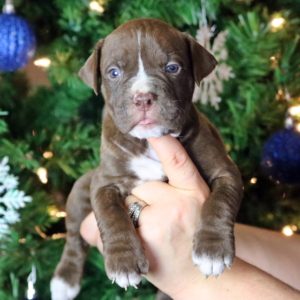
(147, 166)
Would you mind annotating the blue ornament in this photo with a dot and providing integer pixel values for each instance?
(281, 156)
(17, 42)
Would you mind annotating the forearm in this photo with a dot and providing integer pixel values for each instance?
(271, 252)
(243, 281)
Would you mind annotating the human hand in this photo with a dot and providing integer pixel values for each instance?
(167, 224)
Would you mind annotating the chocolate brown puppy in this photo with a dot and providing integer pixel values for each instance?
(146, 71)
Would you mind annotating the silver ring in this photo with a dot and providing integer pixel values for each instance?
(134, 211)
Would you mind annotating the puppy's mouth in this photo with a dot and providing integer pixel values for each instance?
(146, 122)
(149, 127)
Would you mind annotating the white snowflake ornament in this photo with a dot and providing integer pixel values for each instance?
(210, 88)
(11, 199)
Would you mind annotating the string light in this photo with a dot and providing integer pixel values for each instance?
(274, 61)
(253, 180)
(57, 236)
(96, 6)
(288, 230)
(42, 173)
(277, 23)
(44, 236)
(43, 62)
(54, 212)
(294, 111)
(293, 115)
(48, 154)
(40, 232)
(280, 95)
(289, 122)
(61, 214)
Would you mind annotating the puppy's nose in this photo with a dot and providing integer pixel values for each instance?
(144, 101)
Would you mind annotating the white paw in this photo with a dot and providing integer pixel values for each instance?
(61, 290)
(211, 265)
(124, 279)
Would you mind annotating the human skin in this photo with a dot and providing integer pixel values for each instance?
(166, 228)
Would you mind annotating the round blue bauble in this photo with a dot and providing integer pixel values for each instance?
(17, 42)
(281, 156)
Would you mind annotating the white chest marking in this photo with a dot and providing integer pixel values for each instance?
(141, 83)
(147, 166)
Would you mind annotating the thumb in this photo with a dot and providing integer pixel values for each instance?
(176, 163)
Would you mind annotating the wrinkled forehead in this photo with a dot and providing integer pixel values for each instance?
(153, 42)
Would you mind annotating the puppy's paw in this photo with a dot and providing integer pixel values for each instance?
(210, 265)
(61, 290)
(212, 253)
(124, 279)
(125, 268)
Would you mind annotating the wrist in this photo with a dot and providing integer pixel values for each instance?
(186, 286)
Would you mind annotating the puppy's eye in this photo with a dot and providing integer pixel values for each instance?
(172, 68)
(114, 72)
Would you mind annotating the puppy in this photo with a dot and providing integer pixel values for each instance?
(146, 71)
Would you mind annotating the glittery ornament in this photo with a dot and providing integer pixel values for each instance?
(17, 40)
(281, 156)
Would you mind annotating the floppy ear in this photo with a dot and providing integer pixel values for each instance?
(203, 62)
(90, 71)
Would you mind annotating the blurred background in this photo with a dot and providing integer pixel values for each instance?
(50, 122)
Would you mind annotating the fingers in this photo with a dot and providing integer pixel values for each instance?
(154, 191)
(177, 165)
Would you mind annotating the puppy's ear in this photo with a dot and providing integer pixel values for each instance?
(203, 62)
(90, 71)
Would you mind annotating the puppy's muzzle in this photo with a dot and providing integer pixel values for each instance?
(144, 101)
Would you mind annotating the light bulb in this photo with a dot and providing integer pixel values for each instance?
(96, 6)
(277, 23)
(287, 230)
(294, 111)
(48, 154)
(43, 62)
(42, 173)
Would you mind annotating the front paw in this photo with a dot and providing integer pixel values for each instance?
(126, 267)
(213, 252)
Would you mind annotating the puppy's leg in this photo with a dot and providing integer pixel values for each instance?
(122, 249)
(66, 279)
(213, 247)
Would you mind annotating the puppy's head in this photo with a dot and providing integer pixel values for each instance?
(147, 71)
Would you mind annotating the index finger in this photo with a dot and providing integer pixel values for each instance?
(177, 165)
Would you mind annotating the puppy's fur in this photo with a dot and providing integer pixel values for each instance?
(146, 71)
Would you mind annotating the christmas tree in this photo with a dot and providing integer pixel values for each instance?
(50, 125)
